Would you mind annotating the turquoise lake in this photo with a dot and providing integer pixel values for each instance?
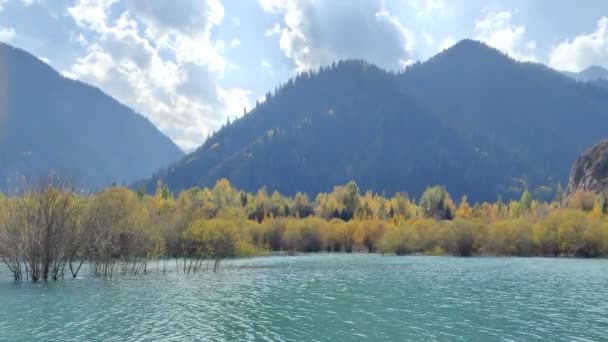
(325, 297)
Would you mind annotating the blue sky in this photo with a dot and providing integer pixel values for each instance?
(188, 65)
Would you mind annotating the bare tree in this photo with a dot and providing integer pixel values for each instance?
(11, 240)
(39, 231)
(116, 236)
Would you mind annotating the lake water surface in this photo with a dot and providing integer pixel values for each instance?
(325, 297)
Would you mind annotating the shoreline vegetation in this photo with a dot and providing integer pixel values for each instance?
(50, 231)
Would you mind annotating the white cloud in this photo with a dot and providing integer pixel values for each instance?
(404, 35)
(44, 59)
(236, 100)
(272, 6)
(78, 38)
(428, 7)
(7, 34)
(2, 3)
(428, 38)
(446, 43)
(276, 29)
(496, 30)
(235, 42)
(91, 14)
(94, 67)
(30, 2)
(184, 28)
(159, 58)
(318, 33)
(583, 50)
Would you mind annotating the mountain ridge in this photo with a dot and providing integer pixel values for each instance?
(590, 74)
(473, 115)
(67, 129)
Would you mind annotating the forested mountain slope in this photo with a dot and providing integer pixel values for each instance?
(470, 118)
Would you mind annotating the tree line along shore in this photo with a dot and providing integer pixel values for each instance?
(50, 231)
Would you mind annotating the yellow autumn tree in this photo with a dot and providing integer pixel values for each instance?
(596, 212)
(464, 209)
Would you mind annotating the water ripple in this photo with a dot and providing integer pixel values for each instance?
(323, 298)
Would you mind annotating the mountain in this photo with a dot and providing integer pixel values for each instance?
(590, 171)
(526, 117)
(470, 118)
(592, 73)
(49, 123)
(601, 82)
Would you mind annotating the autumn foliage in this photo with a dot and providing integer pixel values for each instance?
(49, 230)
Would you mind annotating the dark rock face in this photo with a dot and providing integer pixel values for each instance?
(590, 171)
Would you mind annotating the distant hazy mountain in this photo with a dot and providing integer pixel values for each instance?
(602, 83)
(592, 73)
(470, 118)
(51, 123)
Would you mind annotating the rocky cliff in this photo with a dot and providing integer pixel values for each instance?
(590, 171)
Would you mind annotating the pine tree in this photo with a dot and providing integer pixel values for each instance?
(526, 201)
(559, 194)
(165, 192)
(141, 192)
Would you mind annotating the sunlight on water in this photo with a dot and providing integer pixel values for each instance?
(323, 298)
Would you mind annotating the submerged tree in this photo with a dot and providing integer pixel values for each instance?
(216, 239)
(39, 232)
(117, 236)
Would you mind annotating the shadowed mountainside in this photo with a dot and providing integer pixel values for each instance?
(470, 118)
(49, 123)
